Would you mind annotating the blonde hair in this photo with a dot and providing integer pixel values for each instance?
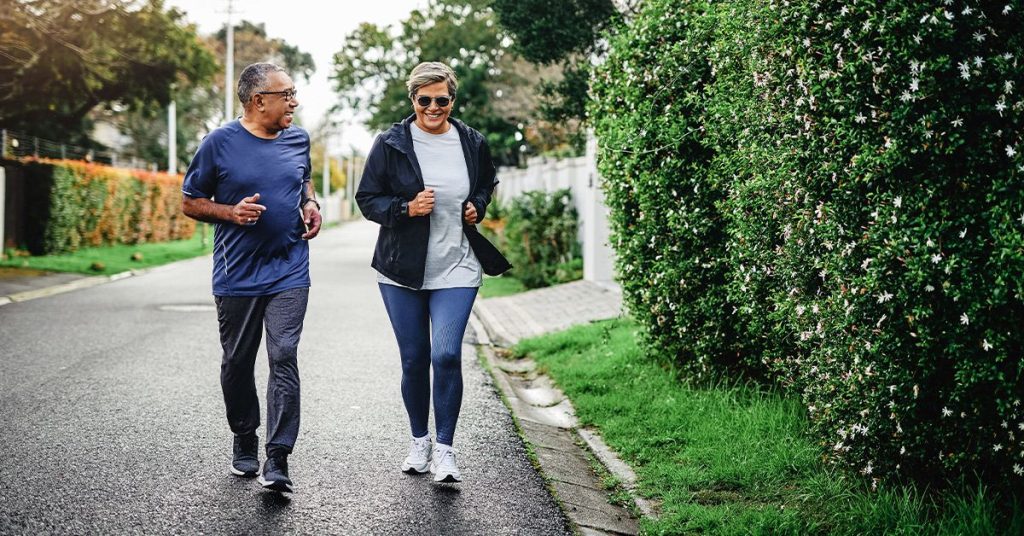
(431, 72)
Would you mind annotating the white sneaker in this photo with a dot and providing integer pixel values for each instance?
(418, 459)
(443, 465)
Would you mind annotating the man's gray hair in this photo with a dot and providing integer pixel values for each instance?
(431, 72)
(253, 79)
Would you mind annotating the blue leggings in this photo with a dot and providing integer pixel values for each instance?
(429, 326)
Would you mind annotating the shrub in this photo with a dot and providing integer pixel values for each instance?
(850, 182)
(540, 238)
(90, 205)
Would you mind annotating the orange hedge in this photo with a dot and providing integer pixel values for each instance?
(93, 204)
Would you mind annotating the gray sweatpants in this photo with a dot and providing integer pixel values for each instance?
(242, 319)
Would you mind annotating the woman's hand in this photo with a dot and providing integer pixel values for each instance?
(423, 204)
(470, 214)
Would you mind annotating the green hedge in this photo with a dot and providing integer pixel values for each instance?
(83, 204)
(830, 194)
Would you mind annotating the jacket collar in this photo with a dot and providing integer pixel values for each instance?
(399, 136)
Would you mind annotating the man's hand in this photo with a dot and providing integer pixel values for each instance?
(423, 204)
(470, 213)
(247, 212)
(311, 217)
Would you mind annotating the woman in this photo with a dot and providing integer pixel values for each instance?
(427, 182)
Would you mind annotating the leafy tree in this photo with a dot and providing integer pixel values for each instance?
(200, 106)
(60, 59)
(371, 68)
(564, 33)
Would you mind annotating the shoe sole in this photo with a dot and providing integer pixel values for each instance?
(275, 485)
(413, 470)
(243, 474)
(448, 479)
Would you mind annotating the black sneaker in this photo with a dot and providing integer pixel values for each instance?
(275, 474)
(245, 461)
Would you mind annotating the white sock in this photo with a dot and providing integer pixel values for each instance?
(424, 439)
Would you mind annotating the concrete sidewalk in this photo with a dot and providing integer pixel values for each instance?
(532, 313)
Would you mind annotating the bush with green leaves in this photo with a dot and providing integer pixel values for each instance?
(539, 238)
(78, 204)
(851, 190)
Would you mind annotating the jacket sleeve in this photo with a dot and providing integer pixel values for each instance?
(375, 199)
(485, 182)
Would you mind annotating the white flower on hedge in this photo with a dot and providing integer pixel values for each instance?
(958, 122)
(1007, 9)
(997, 447)
(986, 345)
(1010, 151)
(916, 390)
(1017, 469)
(963, 233)
(1000, 107)
(978, 36)
(884, 297)
(1008, 87)
(967, 11)
(914, 85)
(978, 61)
(917, 39)
(903, 450)
(965, 70)
(946, 412)
(936, 258)
(929, 288)
(964, 320)
(860, 118)
(867, 469)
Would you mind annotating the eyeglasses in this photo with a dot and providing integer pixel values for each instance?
(287, 94)
(442, 101)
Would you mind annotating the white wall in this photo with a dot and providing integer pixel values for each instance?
(579, 175)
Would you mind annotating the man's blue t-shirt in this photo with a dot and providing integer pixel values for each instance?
(231, 164)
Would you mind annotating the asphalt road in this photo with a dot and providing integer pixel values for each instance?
(112, 421)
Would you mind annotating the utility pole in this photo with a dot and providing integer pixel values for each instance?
(229, 72)
(172, 137)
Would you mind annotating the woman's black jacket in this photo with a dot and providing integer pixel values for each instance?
(392, 176)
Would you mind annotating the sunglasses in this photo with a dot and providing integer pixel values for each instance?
(442, 101)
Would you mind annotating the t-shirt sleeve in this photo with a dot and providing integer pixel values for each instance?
(201, 176)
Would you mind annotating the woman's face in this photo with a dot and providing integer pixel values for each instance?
(432, 118)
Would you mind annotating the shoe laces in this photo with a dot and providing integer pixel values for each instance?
(447, 458)
(421, 447)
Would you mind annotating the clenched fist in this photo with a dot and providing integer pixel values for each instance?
(423, 203)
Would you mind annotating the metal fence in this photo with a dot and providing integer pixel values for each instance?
(14, 144)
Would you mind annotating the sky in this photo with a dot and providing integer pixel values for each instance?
(317, 27)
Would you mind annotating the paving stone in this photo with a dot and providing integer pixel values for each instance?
(566, 466)
(548, 436)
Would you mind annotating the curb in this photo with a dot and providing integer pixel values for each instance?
(547, 421)
(84, 282)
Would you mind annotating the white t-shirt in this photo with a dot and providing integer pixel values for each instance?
(451, 262)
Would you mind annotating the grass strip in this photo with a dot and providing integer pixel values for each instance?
(734, 459)
(495, 287)
(106, 260)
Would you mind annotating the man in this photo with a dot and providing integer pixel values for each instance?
(251, 177)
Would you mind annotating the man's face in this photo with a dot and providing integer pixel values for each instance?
(277, 103)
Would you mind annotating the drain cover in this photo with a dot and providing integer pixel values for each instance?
(189, 308)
